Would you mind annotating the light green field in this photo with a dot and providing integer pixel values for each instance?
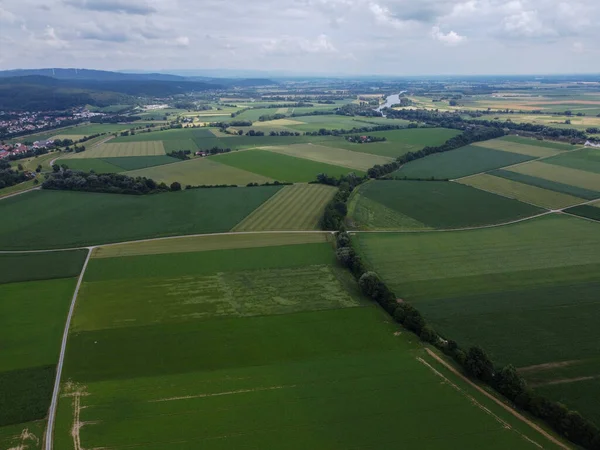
(208, 243)
(520, 191)
(366, 214)
(26, 436)
(5, 192)
(560, 174)
(144, 148)
(514, 147)
(260, 346)
(296, 207)
(331, 155)
(280, 167)
(200, 171)
(561, 146)
(587, 159)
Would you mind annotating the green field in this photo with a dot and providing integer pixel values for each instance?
(280, 167)
(587, 159)
(260, 346)
(26, 185)
(535, 151)
(521, 191)
(560, 174)
(431, 204)
(115, 165)
(459, 163)
(39, 217)
(587, 211)
(32, 317)
(115, 150)
(399, 142)
(508, 289)
(330, 155)
(296, 207)
(201, 171)
(99, 128)
(539, 142)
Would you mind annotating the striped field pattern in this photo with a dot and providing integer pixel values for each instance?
(295, 207)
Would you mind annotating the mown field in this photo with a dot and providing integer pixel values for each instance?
(280, 167)
(36, 291)
(393, 204)
(521, 191)
(201, 171)
(248, 348)
(39, 217)
(115, 150)
(528, 293)
(459, 163)
(115, 165)
(296, 207)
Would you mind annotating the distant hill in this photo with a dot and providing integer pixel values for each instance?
(87, 74)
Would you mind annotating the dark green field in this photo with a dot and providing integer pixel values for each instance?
(459, 163)
(438, 204)
(281, 167)
(547, 184)
(587, 159)
(115, 165)
(40, 266)
(528, 293)
(39, 217)
(588, 211)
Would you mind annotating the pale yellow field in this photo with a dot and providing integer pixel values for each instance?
(207, 243)
(278, 123)
(560, 174)
(522, 149)
(147, 148)
(295, 207)
(281, 111)
(332, 155)
(520, 191)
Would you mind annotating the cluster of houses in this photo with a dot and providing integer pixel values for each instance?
(17, 122)
(8, 150)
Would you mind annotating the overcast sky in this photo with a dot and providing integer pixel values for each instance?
(399, 37)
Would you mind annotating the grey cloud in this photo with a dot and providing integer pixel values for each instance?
(117, 6)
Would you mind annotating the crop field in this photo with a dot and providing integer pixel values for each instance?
(38, 217)
(460, 163)
(547, 184)
(36, 295)
(529, 277)
(296, 207)
(433, 204)
(521, 191)
(536, 151)
(115, 165)
(97, 128)
(587, 159)
(560, 174)
(591, 211)
(538, 142)
(114, 150)
(5, 192)
(399, 142)
(331, 155)
(280, 167)
(247, 348)
(201, 171)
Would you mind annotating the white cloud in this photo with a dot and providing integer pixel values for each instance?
(7, 16)
(51, 39)
(183, 41)
(578, 47)
(526, 24)
(450, 38)
(384, 17)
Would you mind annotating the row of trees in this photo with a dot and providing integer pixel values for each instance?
(180, 154)
(474, 361)
(268, 117)
(9, 177)
(343, 131)
(112, 183)
(365, 139)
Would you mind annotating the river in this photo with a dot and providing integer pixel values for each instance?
(390, 100)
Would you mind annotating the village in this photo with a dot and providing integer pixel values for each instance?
(17, 123)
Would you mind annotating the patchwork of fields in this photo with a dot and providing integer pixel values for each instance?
(413, 205)
(35, 292)
(250, 347)
(528, 293)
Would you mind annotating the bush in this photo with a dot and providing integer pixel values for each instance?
(478, 364)
(175, 186)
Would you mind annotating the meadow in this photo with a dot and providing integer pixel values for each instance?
(296, 207)
(583, 179)
(114, 150)
(459, 163)
(280, 167)
(528, 277)
(201, 171)
(38, 217)
(303, 359)
(536, 151)
(521, 191)
(587, 159)
(433, 204)
(331, 155)
(115, 165)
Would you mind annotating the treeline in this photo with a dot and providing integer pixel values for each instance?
(337, 208)
(455, 120)
(114, 119)
(474, 361)
(352, 109)
(111, 183)
(180, 154)
(314, 113)
(342, 131)
(215, 150)
(215, 186)
(365, 139)
(284, 133)
(9, 177)
(465, 138)
(266, 117)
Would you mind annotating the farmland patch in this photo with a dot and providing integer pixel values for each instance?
(587, 159)
(536, 151)
(560, 174)
(115, 150)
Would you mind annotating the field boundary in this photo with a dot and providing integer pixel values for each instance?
(497, 401)
(19, 193)
(61, 358)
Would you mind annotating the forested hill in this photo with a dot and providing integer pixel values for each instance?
(88, 74)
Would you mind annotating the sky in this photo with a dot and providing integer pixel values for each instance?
(361, 37)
